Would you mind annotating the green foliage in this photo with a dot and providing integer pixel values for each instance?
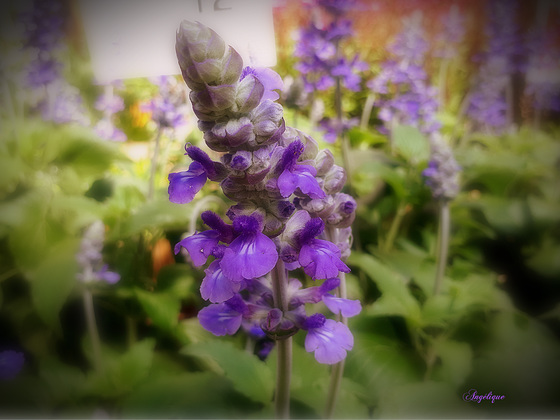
(249, 375)
(411, 144)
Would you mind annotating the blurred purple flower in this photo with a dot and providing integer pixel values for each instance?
(90, 257)
(11, 363)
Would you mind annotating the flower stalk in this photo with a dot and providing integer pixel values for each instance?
(284, 345)
(443, 244)
(92, 328)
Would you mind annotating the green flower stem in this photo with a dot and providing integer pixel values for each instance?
(443, 244)
(394, 229)
(366, 112)
(334, 388)
(338, 369)
(153, 166)
(284, 346)
(92, 328)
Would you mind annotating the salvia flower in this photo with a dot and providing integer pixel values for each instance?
(168, 105)
(90, 256)
(272, 173)
(442, 173)
(487, 104)
(11, 363)
(405, 95)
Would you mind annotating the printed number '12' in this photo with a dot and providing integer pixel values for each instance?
(217, 7)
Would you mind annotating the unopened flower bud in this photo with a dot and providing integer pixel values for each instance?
(334, 180)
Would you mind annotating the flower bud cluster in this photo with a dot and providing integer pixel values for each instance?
(442, 173)
(285, 192)
(90, 258)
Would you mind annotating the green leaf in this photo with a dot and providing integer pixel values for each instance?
(120, 373)
(411, 144)
(81, 149)
(379, 363)
(176, 279)
(456, 361)
(185, 395)
(247, 373)
(394, 178)
(358, 136)
(75, 211)
(160, 213)
(423, 400)
(161, 308)
(396, 298)
(65, 383)
(53, 280)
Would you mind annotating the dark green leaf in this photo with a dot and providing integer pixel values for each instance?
(161, 308)
(248, 374)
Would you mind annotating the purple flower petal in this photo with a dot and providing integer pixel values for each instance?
(220, 319)
(249, 256)
(199, 246)
(183, 186)
(329, 342)
(108, 276)
(320, 259)
(11, 363)
(215, 286)
(345, 307)
(302, 177)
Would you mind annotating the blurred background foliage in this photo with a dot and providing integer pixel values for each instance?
(495, 326)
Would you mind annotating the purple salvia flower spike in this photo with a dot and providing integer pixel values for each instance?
(275, 176)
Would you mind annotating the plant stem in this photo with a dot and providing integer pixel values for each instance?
(394, 229)
(366, 113)
(443, 244)
(92, 329)
(153, 166)
(284, 346)
(334, 388)
(338, 369)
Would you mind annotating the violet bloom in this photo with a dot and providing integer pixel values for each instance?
(11, 363)
(216, 287)
(90, 257)
(329, 339)
(293, 176)
(277, 179)
(183, 186)
(223, 318)
(442, 173)
(487, 104)
(251, 254)
(168, 107)
(415, 102)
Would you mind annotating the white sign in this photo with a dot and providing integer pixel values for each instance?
(136, 38)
